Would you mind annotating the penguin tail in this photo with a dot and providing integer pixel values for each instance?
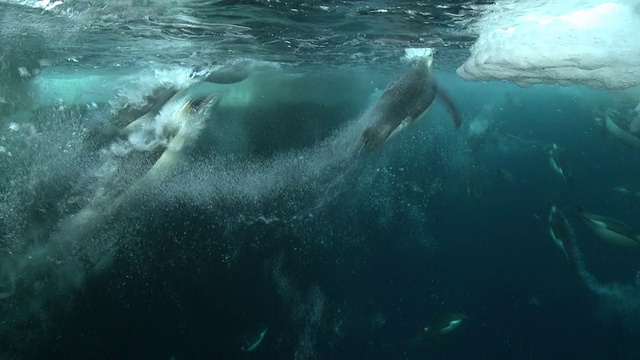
(451, 106)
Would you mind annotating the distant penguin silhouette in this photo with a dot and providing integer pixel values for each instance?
(230, 73)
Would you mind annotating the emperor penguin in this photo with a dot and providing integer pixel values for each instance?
(182, 122)
(404, 101)
(610, 230)
(561, 232)
(558, 162)
(609, 120)
(104, 134)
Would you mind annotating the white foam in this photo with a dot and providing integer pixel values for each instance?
(39, 4)
(155, 132)
(423, 55)
(586, 42)
(47, 4)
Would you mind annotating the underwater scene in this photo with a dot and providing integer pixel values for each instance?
(319, 179)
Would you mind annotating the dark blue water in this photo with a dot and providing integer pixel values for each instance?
(365, 259)
(384, 262)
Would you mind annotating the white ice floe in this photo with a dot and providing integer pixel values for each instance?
(561, 42)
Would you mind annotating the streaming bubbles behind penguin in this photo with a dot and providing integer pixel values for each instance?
(51, 175)
(46, 177)
(295, 186)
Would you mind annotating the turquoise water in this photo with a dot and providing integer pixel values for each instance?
(182, 180)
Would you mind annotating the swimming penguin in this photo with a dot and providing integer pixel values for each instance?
(558, 162)
(230, 74)
(226, 74)
(252, 346)
(560, 231)
(172, 106)
(185, 127)
(451, 323)
(188, 121)
(405, 100)
(610, 230)
(104, 134)
(152, 104)
(627, 190)
(183, 122)
(607, 120)
(181, 130)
